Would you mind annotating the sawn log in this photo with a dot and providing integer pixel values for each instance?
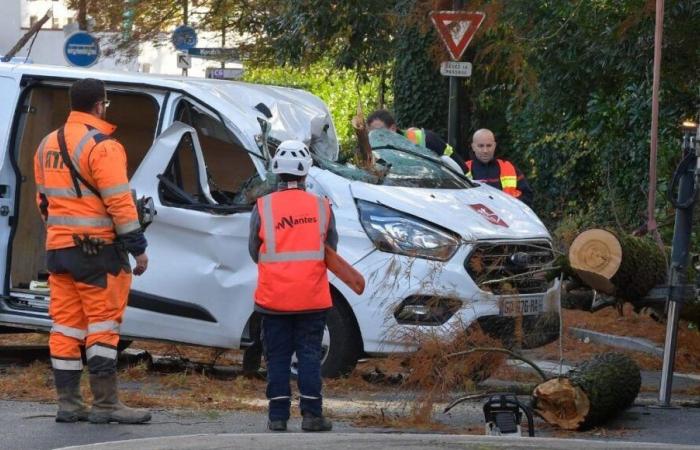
(590, 394)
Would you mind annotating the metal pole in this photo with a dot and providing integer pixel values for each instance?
(658, 37)
(679, 289)
(453, 131)
(185, 19)
(223, 43)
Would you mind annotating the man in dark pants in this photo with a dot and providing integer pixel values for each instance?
(288, 233)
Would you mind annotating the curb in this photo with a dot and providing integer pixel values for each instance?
(628, 343)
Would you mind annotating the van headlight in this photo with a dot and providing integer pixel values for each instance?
(394, 232)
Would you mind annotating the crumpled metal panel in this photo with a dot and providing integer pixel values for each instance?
(296, 114)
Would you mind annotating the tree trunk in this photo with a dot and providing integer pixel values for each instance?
(590, 394)
(364, 149)
(624, 266)
(28, 35)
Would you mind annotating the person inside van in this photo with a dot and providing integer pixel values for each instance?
(383, 119)
(92, 222)
(289, 230)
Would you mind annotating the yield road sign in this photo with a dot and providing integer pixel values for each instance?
(184, 38)
(456, 69)
(184, 61)
(457, 28)
(81, 49)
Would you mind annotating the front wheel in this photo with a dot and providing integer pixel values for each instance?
(341, 344)
(344, 342)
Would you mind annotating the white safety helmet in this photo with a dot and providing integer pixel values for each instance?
(293, 158)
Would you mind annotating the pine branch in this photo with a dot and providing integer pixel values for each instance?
(512, 354)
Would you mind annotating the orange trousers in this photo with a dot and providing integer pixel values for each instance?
(85, 314)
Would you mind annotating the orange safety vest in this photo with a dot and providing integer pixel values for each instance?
(291, 267)
(101, 161)
(508, 176)
(417, 136)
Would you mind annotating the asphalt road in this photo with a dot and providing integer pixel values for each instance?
(31, 426)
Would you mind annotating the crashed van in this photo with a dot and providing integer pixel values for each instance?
(435, 249)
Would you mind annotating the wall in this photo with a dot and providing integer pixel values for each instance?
(48, 47)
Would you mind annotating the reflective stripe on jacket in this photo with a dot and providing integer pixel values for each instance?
(417, 136)
(102, 162)
(507, 174)
(291, 267)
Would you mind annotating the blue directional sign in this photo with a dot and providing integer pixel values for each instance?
(214, 53)
(184, 38)
(81, 49)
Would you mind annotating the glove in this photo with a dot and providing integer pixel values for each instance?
(91, 246)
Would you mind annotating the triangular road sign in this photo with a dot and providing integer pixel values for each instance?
(456, 28)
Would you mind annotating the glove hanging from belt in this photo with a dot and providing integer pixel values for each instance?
(91, 246)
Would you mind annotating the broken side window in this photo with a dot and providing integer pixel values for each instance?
(228, 166)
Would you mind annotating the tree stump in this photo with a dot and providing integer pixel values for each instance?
(624, 266)
(590, 394)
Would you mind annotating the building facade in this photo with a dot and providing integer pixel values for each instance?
(47, 48)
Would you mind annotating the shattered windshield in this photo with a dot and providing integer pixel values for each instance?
(399, 162)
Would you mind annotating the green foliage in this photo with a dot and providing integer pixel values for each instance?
(336, 87)
(573, 81)
(420, 92)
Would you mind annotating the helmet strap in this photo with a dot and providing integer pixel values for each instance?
(291, 185)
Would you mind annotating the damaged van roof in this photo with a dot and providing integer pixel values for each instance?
(295, 114)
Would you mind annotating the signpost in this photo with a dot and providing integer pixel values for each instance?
(81, 49)
(184, 38)
(184, 61)
(456, 69)
(456, 28)
(223, 73)
(231, 54)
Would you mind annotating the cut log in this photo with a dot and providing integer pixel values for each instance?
(624, 266)
(590, 394)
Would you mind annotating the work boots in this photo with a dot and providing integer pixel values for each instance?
(106, 406)
(70, 402)
(315, 423)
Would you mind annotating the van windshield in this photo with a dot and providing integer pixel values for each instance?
(399, 162)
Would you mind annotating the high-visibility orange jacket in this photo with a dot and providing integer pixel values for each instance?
(508, 177)
(291, 268)
(101, 161)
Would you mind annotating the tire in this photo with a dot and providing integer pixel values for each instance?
(123, 345)
(345, 342)
(342, 345)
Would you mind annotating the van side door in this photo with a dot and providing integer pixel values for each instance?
(200, 282)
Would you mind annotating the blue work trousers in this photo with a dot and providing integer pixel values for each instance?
(283, 335)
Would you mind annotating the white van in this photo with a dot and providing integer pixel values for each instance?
(434, 248)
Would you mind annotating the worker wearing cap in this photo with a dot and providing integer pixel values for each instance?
(84, 198)
(288, 233)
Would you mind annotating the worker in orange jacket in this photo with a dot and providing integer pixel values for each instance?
(84, 198)
(289, 230)
(496, 172)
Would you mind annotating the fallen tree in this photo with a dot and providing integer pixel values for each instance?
(624, 266)
(593, 392)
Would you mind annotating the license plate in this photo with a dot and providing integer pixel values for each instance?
(521, 306)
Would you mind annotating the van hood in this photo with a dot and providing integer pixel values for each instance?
(479, 213)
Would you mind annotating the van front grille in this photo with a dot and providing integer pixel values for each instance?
(511, 268)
